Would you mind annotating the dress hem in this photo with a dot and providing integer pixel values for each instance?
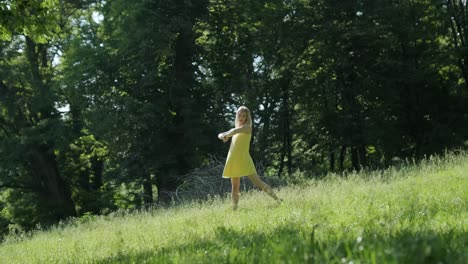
(227, 177)
(246, 175)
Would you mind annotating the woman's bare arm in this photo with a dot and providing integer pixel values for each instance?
(243, 129)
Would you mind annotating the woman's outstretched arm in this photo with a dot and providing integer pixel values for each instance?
(243, 129)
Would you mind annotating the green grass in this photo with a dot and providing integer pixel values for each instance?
(416, 214)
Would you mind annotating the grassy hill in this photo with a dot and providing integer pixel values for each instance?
(414, 214)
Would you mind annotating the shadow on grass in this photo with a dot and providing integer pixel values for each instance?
(289, 245)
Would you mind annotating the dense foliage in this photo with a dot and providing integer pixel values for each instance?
(107, 104)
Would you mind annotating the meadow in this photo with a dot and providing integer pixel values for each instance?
(416, 213)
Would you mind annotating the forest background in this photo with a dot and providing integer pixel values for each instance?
(108, 105)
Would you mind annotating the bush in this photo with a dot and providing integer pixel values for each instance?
(207, 182)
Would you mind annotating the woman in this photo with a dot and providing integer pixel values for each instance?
(238, 162)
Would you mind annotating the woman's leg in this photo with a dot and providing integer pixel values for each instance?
(235, 192)
(262, 185)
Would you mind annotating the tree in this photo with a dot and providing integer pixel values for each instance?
(158, 98)
(458, 20)
(31, 126)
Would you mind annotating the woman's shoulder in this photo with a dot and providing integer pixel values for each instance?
(247, 129)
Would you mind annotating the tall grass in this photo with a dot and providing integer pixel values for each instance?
(413, 214)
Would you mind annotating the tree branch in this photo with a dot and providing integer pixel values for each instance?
(16, 186)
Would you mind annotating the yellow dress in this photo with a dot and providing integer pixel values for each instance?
(238, 162)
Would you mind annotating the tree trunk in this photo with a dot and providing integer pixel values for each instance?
(332, 160)
(148, 190)
(52, 186)
(263, 137)
(362, 155)
(342, 157)
(43, 105)
(355, 158)
(281, 166)
(286, 126)
(166, 189)
(97, 167)
(181, 103)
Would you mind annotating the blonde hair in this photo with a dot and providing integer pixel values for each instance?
(248, 120)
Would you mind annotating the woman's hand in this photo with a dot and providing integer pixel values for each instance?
(223, 137)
